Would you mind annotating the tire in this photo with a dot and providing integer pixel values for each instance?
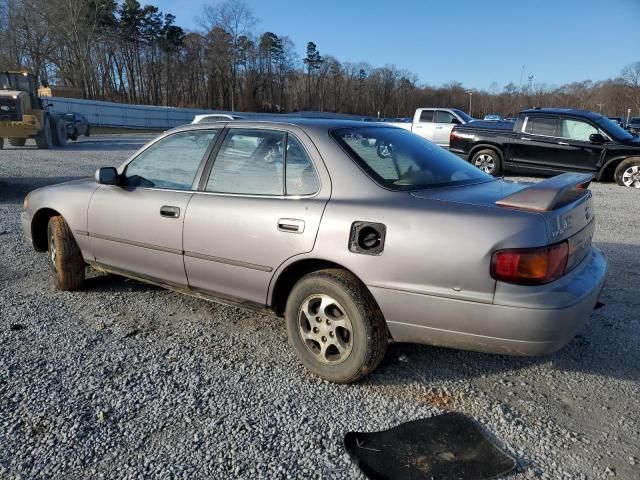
(627, 173)
(59, 133)
(488, 161)
(65, 259)
(44, 138)
(74, 135)
(17, 142)
(88, 132)
(349, 318)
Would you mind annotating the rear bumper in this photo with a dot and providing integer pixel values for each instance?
(538, 323)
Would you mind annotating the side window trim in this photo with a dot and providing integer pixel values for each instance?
(201, 182)
(208, 167)
(123, 168)
(202, 185)
(526, 121)
(313, 165)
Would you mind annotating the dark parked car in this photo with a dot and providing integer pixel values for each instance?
(77, 124)
(551, 141)
(634, 125)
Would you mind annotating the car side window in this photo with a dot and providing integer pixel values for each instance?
(171, 162)
(546, 126)
(577, 130)
(250, 161)
(426, 116)
(443, 117)
(302, 178)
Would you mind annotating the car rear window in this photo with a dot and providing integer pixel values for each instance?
(398, 159)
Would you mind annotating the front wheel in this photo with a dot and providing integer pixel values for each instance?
(488, 161)
(335, 326)
(627, 174)
(65, 259)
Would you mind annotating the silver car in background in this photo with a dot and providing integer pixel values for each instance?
(305, 219)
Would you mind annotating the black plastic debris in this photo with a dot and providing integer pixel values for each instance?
(449, 446)
(16, 327)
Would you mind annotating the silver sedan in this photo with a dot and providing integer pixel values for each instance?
(356, 233)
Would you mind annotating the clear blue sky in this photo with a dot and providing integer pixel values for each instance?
(475, 42)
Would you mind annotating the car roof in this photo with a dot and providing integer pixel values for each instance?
(314, 123)
(565, 111)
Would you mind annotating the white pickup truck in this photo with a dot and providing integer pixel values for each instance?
(435, 124)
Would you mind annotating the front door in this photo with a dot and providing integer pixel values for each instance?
(136, 226)
(261, 205)
(574, 150)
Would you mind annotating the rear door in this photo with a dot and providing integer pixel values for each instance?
(136, 227)
(423, 125)
(535, 143)
(260, 203)
(574, 150)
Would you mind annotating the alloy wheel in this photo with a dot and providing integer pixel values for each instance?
(631, 176)
(486, 163)
(325, 329)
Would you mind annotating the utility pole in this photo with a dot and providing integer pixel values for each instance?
(530, 77)
(600, 105)
(470, 92)
(521, 75)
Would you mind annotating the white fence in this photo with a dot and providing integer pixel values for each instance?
(108, 114)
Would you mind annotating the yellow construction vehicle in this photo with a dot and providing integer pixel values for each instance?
(24, 115)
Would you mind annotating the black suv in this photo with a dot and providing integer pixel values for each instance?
(550, 141)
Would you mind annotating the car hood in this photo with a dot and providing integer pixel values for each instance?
(481, 194)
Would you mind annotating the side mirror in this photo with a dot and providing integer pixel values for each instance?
(597, 138)
(107, 176)
(455, 121)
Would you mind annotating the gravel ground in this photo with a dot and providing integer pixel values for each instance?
(126, 380)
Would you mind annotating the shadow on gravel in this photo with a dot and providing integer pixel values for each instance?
(108, 282)
(14, 189)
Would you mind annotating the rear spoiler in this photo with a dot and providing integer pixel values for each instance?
(548, 194)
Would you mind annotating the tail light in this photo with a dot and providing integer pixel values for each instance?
(451, 137)
(530, 266)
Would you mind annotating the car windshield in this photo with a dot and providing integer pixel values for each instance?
(464, 116)
(398, 159)
(612, 128)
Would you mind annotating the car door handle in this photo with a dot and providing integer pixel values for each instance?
(291, 225)
(439, 128)
(169, 212)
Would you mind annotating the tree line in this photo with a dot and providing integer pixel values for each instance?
(127, 52)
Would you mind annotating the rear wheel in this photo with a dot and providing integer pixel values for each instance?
(44, 138)
(65, 259)
(17, 142)
(335, 326)
(74, 135)
(88, 132)
(627, 173)
(488, 161)
(1, 143)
